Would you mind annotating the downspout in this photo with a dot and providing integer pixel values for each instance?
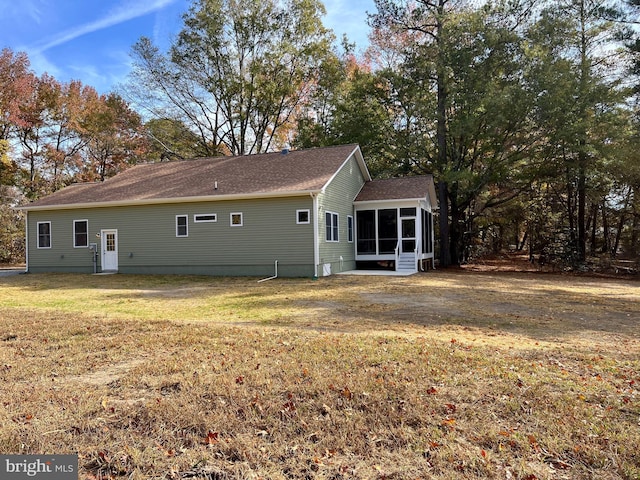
(26, 241)
(316, 233)
(274, 276)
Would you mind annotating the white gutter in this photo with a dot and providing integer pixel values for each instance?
(316, 233)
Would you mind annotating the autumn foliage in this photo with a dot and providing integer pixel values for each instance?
(62, 133)
(53, 134)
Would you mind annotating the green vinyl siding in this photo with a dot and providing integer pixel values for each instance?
(338, 198)
(147, 241)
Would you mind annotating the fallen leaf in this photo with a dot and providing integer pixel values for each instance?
(289, 407)
(211, 438)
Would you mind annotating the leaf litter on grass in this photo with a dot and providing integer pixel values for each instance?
(290, 386)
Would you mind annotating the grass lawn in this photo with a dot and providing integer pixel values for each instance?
(444, 375)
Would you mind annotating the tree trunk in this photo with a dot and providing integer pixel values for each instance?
(521, 244)
(582, 200)
(454, 228)
(635, 228)
(593, 219)
(606, 245)
(441, 140)
(443, 201)
(616, 244)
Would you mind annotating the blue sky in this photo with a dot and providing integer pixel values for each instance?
(90, 40)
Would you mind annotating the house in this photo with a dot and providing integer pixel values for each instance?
(306, 213)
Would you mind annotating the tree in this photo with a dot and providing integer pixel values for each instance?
(171, 139)
(237, 73)
(114, 136)
(464, 108)
(350, 104)
(32, 129)
(578, 106)
(16, 83)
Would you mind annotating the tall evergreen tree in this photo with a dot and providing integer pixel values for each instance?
(466, 105)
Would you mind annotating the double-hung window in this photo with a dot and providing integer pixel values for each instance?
(44, 234)
(81, 233)
(331, 226)
(182, 225)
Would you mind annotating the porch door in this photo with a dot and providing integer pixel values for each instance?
(109, 250)
(408, 235)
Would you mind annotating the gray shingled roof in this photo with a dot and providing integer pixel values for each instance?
(398, 188)
(250, 175)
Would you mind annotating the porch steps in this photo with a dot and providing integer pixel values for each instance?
(407, 263)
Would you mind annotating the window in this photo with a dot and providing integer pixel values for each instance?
(182, 226)
(387, 230)
(366, 232)
(44, 234)
(236, 219)
(206, 217)
(303, 216)
(350, 229)
(427, 244)
(331, 223)
(81, 233)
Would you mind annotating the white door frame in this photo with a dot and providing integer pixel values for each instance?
(415, 233)
(109, 258)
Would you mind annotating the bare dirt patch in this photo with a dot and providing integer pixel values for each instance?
(109, 374)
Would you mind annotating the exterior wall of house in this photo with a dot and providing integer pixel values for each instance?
(147, 240)
(338, 198)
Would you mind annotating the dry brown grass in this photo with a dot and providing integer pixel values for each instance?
(444, 375)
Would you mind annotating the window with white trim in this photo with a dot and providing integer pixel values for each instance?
(303, 216)
(331, 226)
(182, 225)
(80, 233)
(44, 234)
(349, 228)
(235, 219)
(205, 217)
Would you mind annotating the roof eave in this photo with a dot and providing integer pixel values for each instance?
(390, 200)
(159, 201)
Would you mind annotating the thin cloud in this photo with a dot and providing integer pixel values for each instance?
(121, 14)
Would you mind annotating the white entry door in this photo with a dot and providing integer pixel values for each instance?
(408, 232)
(109, 250)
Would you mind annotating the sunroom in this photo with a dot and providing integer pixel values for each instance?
(394, 224)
